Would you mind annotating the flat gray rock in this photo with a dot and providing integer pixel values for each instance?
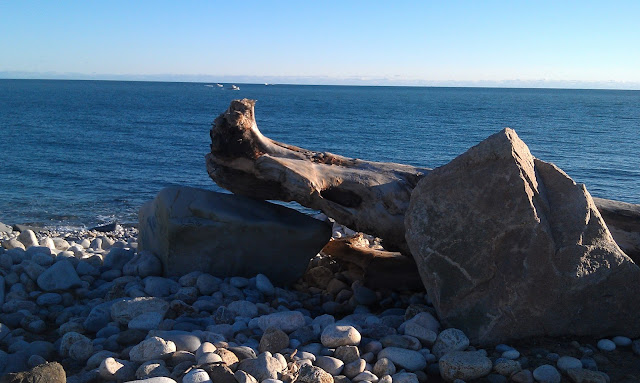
(228, 235)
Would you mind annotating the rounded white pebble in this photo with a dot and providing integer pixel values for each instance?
(606, 345)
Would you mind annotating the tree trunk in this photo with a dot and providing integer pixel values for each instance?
(366, 196)
(370, 197)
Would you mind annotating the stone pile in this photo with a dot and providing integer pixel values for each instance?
(94, 304)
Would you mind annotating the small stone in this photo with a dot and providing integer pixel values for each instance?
(547, 374)
(208, 284)
(340, 335)
(264, 285)
(425, 335)
(567, 362)
(123, 311)
(333, 366)
(511, 354)
(635, 346)
(273, 340)
(116, 369)
(265, 366)
(220, 373)
(60, 276)
(621, 341)
(146, 321)
(243, 377)
(354, 368)
(404, 377)
(449, 340)
(579, 375)
(152, 348)
(152, 369)
(402, 341)
(287, 321)
(606, 345)
(244, 309)
(143, 264)
(384, 367)
(524, 376)
(312, 374)
(196, 375)
(465, 365)
(48, 372)
(209, 357)
(403, 358)
(366, 376)
(506, 367)
(347, 354)
(28, 238)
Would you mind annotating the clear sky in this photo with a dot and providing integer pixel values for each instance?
(557, 43)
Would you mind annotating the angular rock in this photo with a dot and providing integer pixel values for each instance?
(60, 276)
(508, 247)
(195, 229)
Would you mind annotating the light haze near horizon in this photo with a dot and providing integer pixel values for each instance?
(559, 44)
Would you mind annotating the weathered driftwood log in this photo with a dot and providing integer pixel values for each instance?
(371, 197)
(366, 196)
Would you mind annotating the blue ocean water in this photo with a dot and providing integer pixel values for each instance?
(80, 153)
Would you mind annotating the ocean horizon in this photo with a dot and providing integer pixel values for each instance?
(83, 152)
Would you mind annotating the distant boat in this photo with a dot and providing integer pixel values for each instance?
(219, 85)
(233, 87)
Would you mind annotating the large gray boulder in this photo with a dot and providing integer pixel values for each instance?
(509, 246)
(227, 235)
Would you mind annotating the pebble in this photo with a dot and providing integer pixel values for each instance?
(511, 354)
(333, 366)
(384, 367)
(152, 348)
(403, 358)
(567, 362)
(287, 321)
(60, 276)
(449, 340)
(340, 335)
(579, 375)
(404, 377)
(622, 341)
(264, 285)
(465, 365)
(196, 375)
(506, 367)
(606, 345)
(547, 374)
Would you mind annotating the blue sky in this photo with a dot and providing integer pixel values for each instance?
(485, 43)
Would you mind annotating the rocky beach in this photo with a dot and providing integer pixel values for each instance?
(93, 309)
(496, 267)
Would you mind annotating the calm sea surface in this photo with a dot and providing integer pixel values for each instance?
(80, 153)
